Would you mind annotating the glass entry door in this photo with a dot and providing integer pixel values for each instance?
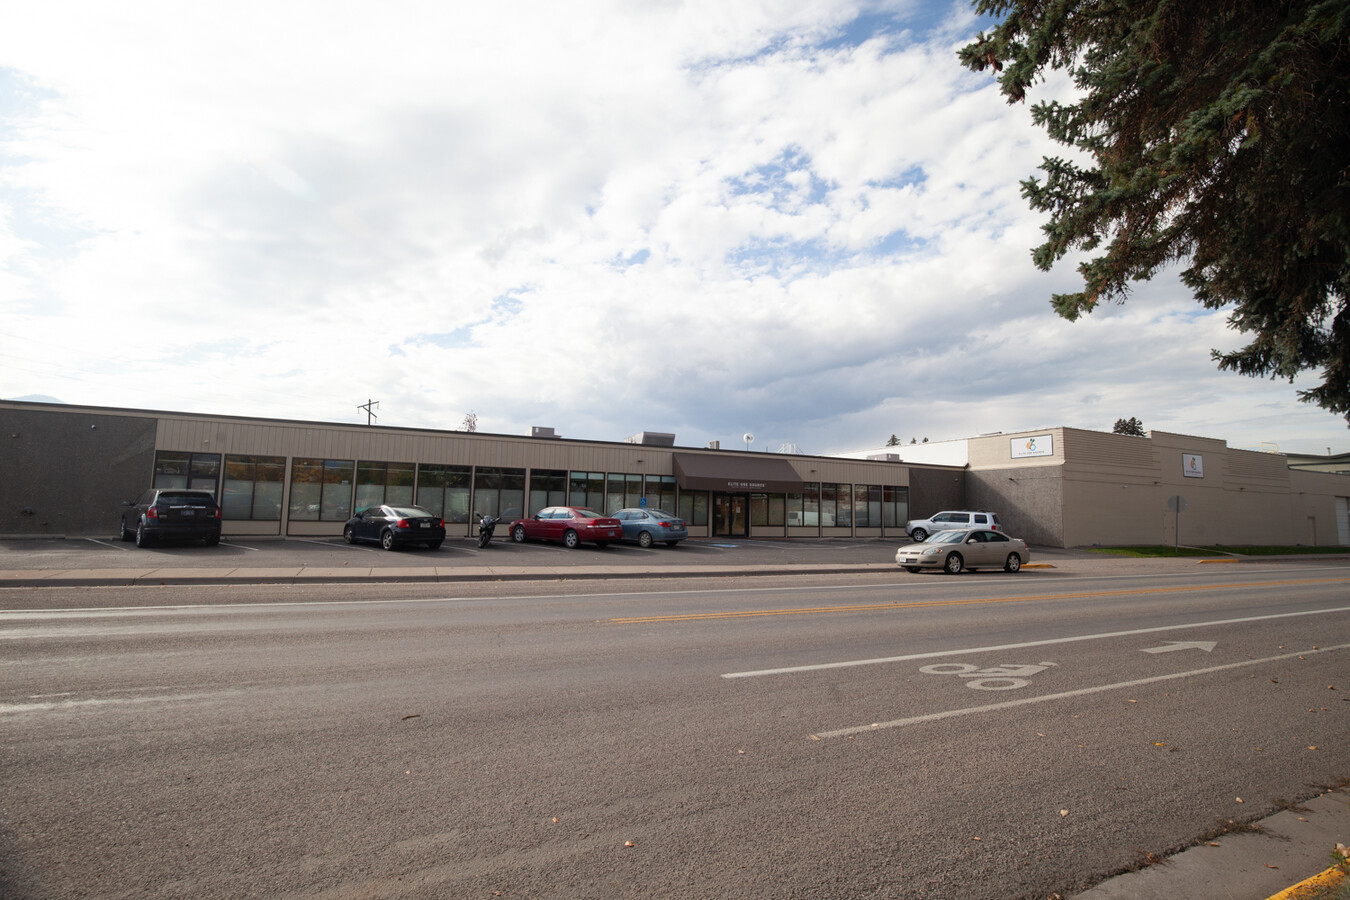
(731, 515)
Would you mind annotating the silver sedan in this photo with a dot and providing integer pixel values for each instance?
(954, 551)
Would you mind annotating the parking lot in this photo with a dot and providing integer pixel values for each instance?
(327, 553)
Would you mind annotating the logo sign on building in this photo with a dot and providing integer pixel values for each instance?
(1192, 465)
(1036, 445)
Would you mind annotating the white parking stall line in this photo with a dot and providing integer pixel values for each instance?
(793, 670)
(1064, 695)
(107, 544)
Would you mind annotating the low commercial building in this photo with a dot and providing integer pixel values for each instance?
(67, 470)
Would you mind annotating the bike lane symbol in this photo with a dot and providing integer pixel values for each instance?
(994, 678)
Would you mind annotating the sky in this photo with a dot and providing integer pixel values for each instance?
(796, 220)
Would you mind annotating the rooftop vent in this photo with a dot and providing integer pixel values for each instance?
(540, 431)
(885, 457)
(653, 439)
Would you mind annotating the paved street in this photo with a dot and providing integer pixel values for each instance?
(815, 735)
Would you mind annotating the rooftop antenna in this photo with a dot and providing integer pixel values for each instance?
(369, 407)
(749, 439)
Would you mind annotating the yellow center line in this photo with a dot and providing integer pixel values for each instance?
(865, 607)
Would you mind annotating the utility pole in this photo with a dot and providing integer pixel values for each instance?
(369, 407)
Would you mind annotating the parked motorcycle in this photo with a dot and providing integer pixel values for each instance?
(486, 525)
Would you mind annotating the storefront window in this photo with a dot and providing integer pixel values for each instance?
(547, 488)
(587, 489)
(382, 482)
(804, 509)
(613, 494)
(768, 509)
(661, 492)
(444, 491)
(867, 506)
(180, 469)
(895, 506)
(321, 490)
(694, 507)
(499, 492)
(632, 491)
(253, 488)
(843, 515)
(828, 501)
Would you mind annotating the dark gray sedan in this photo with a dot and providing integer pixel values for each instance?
(646, 526)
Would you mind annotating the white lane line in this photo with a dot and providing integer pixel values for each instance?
(792, 670)
(1081, 692)
(94, 703)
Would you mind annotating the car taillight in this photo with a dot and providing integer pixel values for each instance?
(217, 512)
(401, 523)
(152, 513)
(440, 523)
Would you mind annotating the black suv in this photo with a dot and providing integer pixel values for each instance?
(171, 513)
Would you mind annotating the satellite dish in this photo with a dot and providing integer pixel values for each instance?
(749, 438)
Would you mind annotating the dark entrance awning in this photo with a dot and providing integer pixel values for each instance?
(745, 472)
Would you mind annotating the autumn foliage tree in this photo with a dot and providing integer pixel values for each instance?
(1210, 132)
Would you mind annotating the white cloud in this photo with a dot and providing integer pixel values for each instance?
(700, 217)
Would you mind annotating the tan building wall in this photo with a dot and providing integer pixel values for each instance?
(1114, 489)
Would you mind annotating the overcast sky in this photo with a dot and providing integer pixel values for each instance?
(796, 219)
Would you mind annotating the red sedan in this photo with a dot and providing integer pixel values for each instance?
(569, 524)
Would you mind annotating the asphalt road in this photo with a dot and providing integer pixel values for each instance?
(887, 735)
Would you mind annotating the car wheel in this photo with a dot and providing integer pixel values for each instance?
(1014, 563)
(919, 535)
(127, 534)
(349, 534)
(518, 534)
(954, 564)
(645, 539)
(387, 540)
(433, 545)
(142, 536)
(911, 568)
(571, 539)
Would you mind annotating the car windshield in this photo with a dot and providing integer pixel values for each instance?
(661, 514)
(586, 514)
(946, 537)
(410, 512)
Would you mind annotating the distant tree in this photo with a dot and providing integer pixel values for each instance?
(913, 440)
(1216, 132)
(1130, 426)
(470, 422)
(893, 441)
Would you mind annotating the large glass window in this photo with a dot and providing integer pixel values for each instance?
(661, 492)
(829, 494)
(632, 490)
(867, 505)
(694, 507)
(843, 515)
(804, 508)
(444, 491)
(613, 494)
(499, 492)
(894, 506)
(587, 489)
(321, 490)
(181, 469)
(253, 487)
(547, 488)
(384, 482)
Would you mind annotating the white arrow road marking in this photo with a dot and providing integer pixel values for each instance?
(1206, 646)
